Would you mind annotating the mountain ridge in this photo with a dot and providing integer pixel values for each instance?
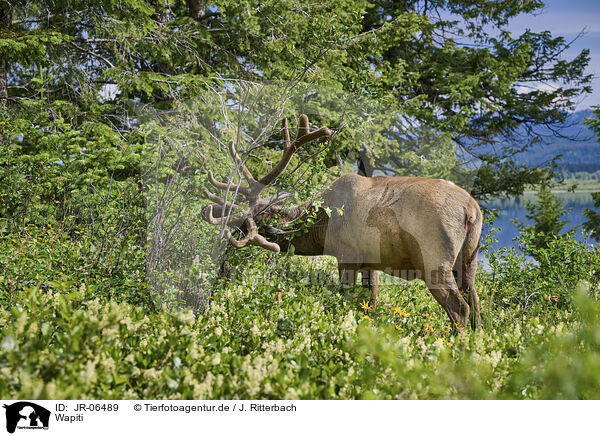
(579, 147)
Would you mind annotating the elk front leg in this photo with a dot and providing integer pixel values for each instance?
(348, 273)
(370, 279)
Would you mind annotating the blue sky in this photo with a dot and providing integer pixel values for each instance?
(568, 18)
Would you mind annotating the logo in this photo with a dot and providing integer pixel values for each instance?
(26, 415)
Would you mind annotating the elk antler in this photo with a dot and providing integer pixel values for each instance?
(302, 137)
(255, 187)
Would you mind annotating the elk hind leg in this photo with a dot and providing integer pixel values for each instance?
(443, 287)
(466, 282)
(370, 279)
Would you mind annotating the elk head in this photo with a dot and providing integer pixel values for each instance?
(231, 213)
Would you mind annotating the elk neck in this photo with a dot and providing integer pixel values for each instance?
(310, 242)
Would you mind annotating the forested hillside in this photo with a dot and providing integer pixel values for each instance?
(576, 143)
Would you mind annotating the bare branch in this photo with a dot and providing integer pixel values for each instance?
(93, 54)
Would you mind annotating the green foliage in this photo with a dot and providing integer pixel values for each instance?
(528, 287)
(594, 123)
(565, 361)
(87, 60)
(593, 222)
(69, 211)
(313, 343)
(245, 346)
(546, 215)
(52, 259)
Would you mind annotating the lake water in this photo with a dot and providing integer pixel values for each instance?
(514, 208)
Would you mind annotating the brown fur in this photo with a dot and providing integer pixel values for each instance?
(410, 227)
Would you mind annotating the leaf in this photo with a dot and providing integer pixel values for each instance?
(285, 328)
(74, 296)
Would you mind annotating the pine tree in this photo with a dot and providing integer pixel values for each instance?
(546, 214)
(593, 223)
(399, 54)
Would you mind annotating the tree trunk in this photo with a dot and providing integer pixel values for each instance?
(365, 167)
(5, 20)
(3, 85)
(197, 9)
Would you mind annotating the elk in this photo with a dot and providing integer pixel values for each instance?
(411, 227)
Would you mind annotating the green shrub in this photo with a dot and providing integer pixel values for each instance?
(311, 344)
(51, 259)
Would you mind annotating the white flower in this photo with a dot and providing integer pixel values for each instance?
(9, 343)
(349, 323)
(151, 374)
(187, 317)
(89, 373)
